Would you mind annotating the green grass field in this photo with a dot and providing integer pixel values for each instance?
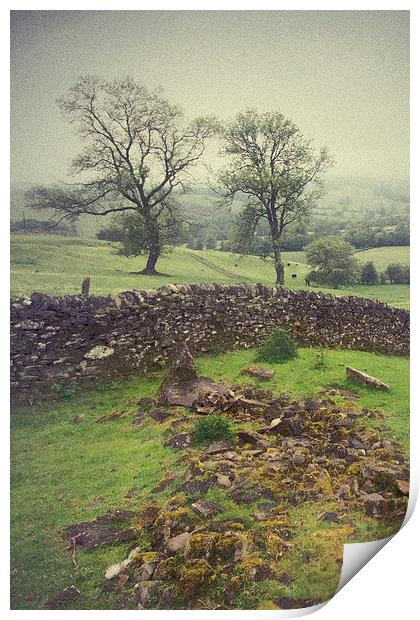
(57, 265)
(63, 473)
(382, 257)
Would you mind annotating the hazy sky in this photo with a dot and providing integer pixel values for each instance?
(342, 76)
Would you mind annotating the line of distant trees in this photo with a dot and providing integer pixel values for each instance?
(334, 263)
(43, 227)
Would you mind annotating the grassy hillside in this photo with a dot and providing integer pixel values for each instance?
(63, 473)
(57, 265)
(382, 257)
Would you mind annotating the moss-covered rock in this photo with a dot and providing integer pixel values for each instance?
(201, 545)
(194, 577)
(231, 547)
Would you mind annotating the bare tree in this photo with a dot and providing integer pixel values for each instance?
(138, 150)
(277, 170)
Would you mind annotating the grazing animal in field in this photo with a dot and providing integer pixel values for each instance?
(294, 276)
(288, 264)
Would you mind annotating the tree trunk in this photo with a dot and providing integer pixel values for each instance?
(278, 265)
(154, 253)
(153, 242)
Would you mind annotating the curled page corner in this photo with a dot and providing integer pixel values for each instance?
(357, 555)
(292, 613)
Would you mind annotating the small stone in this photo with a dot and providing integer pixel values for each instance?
(378, 506)
(197, 486)
(143, 592)
(356, 443)
(99, 352)
(306, 557)
(218, 447)
(285, 579)
(177, 544)
(287, 602)
(403, 486)
(179, 442)
(160, 415)
(113, 571)
(223, 481)
(78, 419)
(167, 597)
(299, 457)
(182, 386)
(387, 445)
(311, 406)
(263, 374)
(244, 496)
(206, 509)
(261, 572)
(67, 595)
(146, 570)
(330, 517)
(245, 437)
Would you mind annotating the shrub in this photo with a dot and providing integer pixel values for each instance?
(211, 242)
(212, 428)
(320, 360)
(369, 274)
(216, 348)
(398, 274)
(278, 347)
(333, 261)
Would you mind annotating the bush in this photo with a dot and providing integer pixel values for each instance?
(278, 347)
(333, 261)
(369, 274)
(212, 428)
(398, 274)
(211, 242)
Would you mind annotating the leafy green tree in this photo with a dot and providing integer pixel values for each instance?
(225, 245)
(276, 169)
(295, 238)
(210, 242)
(332, 261)
(138, 149)
(398, 274)
(131, 231)
(261, 247)
(369, 274)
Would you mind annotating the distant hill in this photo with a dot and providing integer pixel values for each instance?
(347, 200)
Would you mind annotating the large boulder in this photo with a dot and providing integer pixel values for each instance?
(182, 386)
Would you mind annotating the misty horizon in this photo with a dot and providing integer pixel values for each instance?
(341, 76)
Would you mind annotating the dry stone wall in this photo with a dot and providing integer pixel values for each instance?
(73, 338)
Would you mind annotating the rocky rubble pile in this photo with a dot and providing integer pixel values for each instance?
(308, 450)
(286, 453)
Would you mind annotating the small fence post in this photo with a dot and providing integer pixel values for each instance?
(85, 287)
